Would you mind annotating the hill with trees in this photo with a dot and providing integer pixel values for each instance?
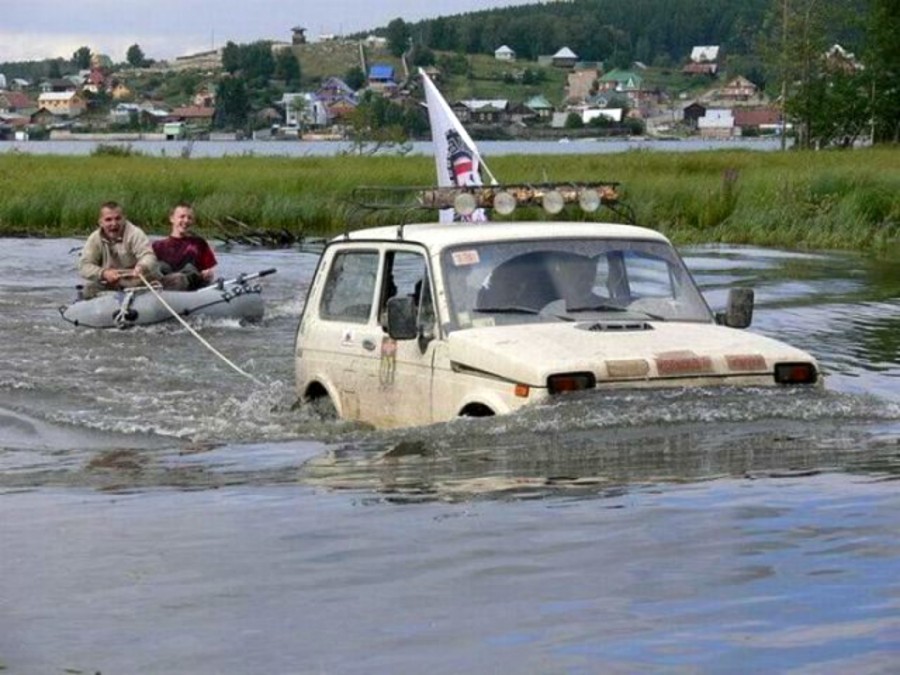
(777, 44)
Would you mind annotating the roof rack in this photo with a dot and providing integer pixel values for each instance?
(501, 199)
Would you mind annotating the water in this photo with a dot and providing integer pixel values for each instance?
(328, 148)
(162, 513)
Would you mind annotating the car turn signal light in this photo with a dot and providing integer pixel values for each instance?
(796, 373)
(557, 384)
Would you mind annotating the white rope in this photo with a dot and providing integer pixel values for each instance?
(195, 333)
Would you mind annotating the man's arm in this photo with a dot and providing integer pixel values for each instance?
(141, 248)
(91, 259)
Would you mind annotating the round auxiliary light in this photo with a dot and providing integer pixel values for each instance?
(553, 202)
(589, 200)
(464, 203)
(504, 203)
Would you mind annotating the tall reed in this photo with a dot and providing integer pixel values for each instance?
(848, 200)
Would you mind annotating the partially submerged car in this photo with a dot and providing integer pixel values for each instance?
(420, 323)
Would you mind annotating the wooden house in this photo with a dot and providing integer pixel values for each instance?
(564, 58)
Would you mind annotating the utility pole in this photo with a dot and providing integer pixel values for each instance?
(784, 62)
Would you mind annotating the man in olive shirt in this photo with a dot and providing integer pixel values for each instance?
(116, 254)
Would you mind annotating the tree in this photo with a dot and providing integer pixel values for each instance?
(81, 58)
(355, 78)
(257, 62)
(823, 102)
(54, 69)
(232, 103)
(574, 121)
(379, 124)
(231, 58)
(398, 36)
(287, 67)
(883, 64)
(135, 56)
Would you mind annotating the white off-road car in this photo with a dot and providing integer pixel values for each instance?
(420, 323)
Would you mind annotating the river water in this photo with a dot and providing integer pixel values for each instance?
(159, 512)
(327, 148)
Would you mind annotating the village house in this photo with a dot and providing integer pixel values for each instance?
(838, 59)
(564, 58)
(704, 60)
(589, 114)
(340, 109)
(692, 113)
(381, 78)
(58, 85)
(482, 111)
(44, 118)
(375, 42)
(193, 114)
(304, 110)
(621, 81)
(716, 123)
(521, 114)
(334, 89)
(16, 102)
(762, 120)
(540, 105)
(204, 96)
(120, 91)
(738, 89)
(504, 53)
(62, 103)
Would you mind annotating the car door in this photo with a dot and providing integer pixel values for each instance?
(398, 374)
(334, 340)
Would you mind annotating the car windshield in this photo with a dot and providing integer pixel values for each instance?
(512, 282)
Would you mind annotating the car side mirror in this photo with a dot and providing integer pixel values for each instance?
(401, 318)
(739, 310)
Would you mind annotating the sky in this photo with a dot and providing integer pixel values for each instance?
(164, 29)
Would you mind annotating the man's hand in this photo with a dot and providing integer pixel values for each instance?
(110, 276)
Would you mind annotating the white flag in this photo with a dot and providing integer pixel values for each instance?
(456, 157)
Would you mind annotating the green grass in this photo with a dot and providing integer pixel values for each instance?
(824, 200)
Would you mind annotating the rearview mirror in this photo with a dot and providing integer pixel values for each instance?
(739, 311)
(401, 318)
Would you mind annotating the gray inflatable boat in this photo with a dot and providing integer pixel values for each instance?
(239, 298)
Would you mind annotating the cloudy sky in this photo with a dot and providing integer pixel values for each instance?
(39, 29)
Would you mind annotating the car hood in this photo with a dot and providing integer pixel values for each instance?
(617, 351)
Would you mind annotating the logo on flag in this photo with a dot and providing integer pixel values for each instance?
(461, 164)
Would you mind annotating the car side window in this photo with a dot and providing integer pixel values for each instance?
(350, 287)
(406, 275)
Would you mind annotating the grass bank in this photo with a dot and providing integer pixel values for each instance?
(823, 200)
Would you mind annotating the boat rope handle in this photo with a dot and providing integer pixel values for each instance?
(195, 333)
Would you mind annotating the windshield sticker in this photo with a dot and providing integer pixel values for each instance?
(464, 258)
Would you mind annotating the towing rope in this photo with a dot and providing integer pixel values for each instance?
(196, 334)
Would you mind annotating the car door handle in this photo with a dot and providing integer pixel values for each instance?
(369, 344)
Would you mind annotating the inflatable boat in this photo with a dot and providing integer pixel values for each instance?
(239, 298)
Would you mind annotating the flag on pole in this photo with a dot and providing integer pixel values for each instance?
(457, 160)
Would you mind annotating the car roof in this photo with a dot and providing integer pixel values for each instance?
(437, 236)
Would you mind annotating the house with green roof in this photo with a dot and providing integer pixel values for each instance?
(540, 105)
(624, 81)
